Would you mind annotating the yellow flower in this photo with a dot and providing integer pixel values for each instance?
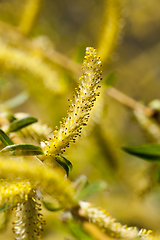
(79, 108)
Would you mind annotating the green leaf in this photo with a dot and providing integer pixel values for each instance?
(91, 189)
(52, 206)
(5, 139)
(156, 174)
(22, 150)
(65, 163)
(149, 152)
(21, 123)
(10, 117)
(77, 231)
(110, 79)
(4, 208)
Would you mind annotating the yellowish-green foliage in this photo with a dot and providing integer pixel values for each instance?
(109, 35)
(38, 175)
(18, 59)
(28, 15)
(38, 73)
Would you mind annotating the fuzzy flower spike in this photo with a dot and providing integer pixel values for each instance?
(79, 108)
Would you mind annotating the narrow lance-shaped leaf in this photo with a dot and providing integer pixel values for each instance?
(77, 231)
(91, 189)
(65, 163)
(21, 123)
(22, 150)
(5, 139)
(4, 207)
(51, 206)
(149, 152)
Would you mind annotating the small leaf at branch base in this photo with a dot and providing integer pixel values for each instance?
(22, 150)
(5, 139)
(52, 206)
(150, 152)
(9, 116)
(21, 123)
(65, 163)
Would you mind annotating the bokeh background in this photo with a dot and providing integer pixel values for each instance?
(42, 44)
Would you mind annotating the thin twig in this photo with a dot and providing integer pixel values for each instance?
(129, 102)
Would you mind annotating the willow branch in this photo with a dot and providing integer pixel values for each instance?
(109, 225)
(130, 102)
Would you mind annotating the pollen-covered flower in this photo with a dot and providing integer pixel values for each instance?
(48, 180)
(30, 221)
(13, 191)
(78, 113)
(109, 225)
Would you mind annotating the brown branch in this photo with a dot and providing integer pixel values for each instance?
(129, 102)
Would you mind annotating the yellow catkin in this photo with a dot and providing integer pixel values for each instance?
(47, 179)
(29, 14)
(109, 225)
(17, 59)
(78, 113)
(12, 192)
(110, 29)
(29, 223)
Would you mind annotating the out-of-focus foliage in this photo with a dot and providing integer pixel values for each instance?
(41, 47)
